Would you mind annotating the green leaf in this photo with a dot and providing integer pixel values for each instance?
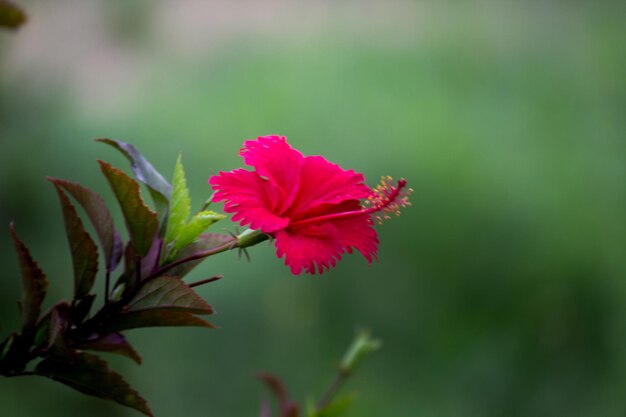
(160, 189)
(113, 343)
(180, 233)
(83, 249)
(157, 317)
(180, 204)
(361, 346)
(11, 16)
(167, 292)
(141, 222)
(195, 227)
(34, 284)
(337, 407)
(100, 218)
(203, 243)
(92, 376)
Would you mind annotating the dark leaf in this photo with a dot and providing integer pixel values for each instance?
(141, 222)
(83, 249)
(100, 218)
(170, 293)
(113, 343)
(287, 407)
(6, 357)
(150, 262)
(11, 16)
(34, 284)
(160, 317)
(5, 346)
(160, 189)
(129, 277)
(204, 242)
(51, 326)
(92, 376)
(82, 309)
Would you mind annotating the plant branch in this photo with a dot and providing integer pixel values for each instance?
(231, 244)
(205, 281)
(107, 283)
(340, 378)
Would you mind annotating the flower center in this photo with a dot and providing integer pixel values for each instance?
(385, 199)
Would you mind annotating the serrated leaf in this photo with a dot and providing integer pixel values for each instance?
(141, 222)
(154, 317)
(82, 247)
(100, 218)
(113, 343)
(160, 189)
(195, 227)
(167, 292)
(11, 16)
(92, 376)
(34, 284)
(203, 243)
(180, 204)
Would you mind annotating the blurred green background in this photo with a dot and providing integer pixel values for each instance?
(500, 292)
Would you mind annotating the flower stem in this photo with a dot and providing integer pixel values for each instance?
(340, 378)
(230, 244)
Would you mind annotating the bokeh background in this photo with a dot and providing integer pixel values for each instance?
(500, 292)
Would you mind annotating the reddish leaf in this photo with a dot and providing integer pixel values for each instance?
(92, 376)
(265, 408)
(141, 222)
(34, 284)
(11, 16)
(83, 249)
(287, 407)
(159, 188)
(150, 262)
(156, 317)
(169, 293)
(205, 242)
(100, 218)
(51, 326)
(113, 343)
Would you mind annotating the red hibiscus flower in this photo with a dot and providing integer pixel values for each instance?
(309, 205)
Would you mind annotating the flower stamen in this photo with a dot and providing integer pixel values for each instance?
(385, 199)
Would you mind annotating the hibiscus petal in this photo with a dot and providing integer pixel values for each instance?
(358, 232)
(318, 246)
(311, 248)
(274, 159)
(252, 199)
(323, 182)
